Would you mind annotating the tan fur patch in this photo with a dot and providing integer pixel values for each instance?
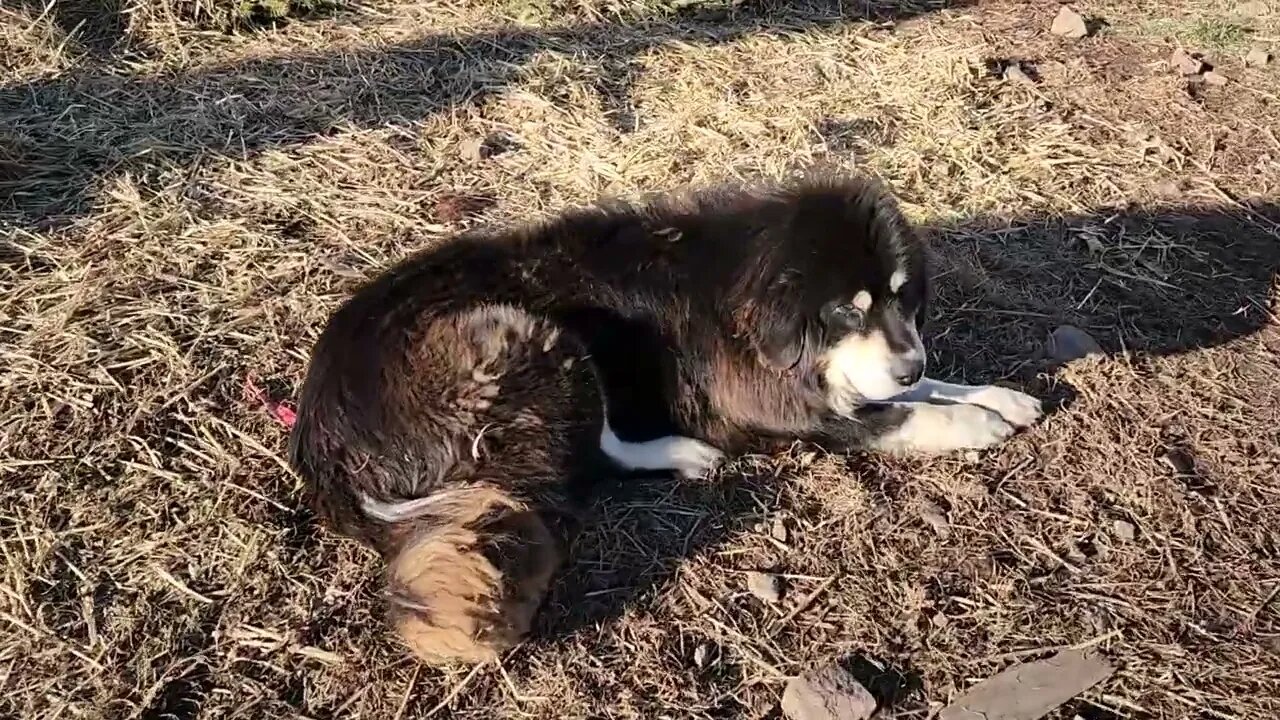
(468, 586)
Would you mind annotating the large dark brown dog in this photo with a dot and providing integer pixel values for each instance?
(458, 406)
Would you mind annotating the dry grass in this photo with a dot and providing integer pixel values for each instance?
(182, 214)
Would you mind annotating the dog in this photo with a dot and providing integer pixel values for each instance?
(458, 409)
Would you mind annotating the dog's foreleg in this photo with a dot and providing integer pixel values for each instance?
(928, 429)
(913, 428)
(1017, 408)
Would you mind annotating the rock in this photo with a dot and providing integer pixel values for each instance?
(830, 693)
(1069, 24)
(1031, 690)
(779, 530)
(1257, 57)
(1185, 63)
(1013, 72)
(766, 586)
(1069, 342)
(1253, 8)
(1124, 530)
(1215, 78)
(936, 517)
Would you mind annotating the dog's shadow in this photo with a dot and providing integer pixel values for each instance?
(1141, 284)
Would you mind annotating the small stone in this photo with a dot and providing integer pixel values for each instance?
(779, 530)
(766, 586)
(1185, 63)
(702, 655)
(1069, 24)
(472, 150)
(1124, 530)
(830, 693)
(1257, 57)
(936, 517)
(1215, 78)
(1069, 342)
(1013, 72)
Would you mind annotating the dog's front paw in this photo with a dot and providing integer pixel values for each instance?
(694, 459)
(973, 428)
(935, 429)
(1017, 408)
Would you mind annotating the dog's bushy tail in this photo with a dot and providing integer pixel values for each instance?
(465, 578)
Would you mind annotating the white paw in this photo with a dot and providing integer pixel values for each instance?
(973, 428)
(936, 429)
(694, 459)
(1017, 408)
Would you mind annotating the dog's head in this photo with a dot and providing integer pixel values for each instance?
(839, 292)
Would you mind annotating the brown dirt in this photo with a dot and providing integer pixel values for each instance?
(180, 209)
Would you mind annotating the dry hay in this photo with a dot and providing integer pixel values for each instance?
(184, 217)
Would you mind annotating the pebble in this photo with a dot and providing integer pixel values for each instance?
(766, 586)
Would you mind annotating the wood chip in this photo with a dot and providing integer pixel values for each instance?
(829, 693)
(1069, 24)
(1031, 690)
(766, 586)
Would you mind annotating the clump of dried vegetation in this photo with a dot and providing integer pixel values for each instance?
(183, 200)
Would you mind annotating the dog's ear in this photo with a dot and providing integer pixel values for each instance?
(770, 317)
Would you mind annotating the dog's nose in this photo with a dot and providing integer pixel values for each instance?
(908, 371)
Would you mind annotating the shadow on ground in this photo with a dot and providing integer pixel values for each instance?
(65, 135)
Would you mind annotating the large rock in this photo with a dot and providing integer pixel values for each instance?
(830, 693)
(1069, 342)
(1069, 24)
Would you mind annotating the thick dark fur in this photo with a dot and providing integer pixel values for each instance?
(473, 374)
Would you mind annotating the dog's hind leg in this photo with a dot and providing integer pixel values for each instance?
(1017, 408)
(635, 370)
(690, 457)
